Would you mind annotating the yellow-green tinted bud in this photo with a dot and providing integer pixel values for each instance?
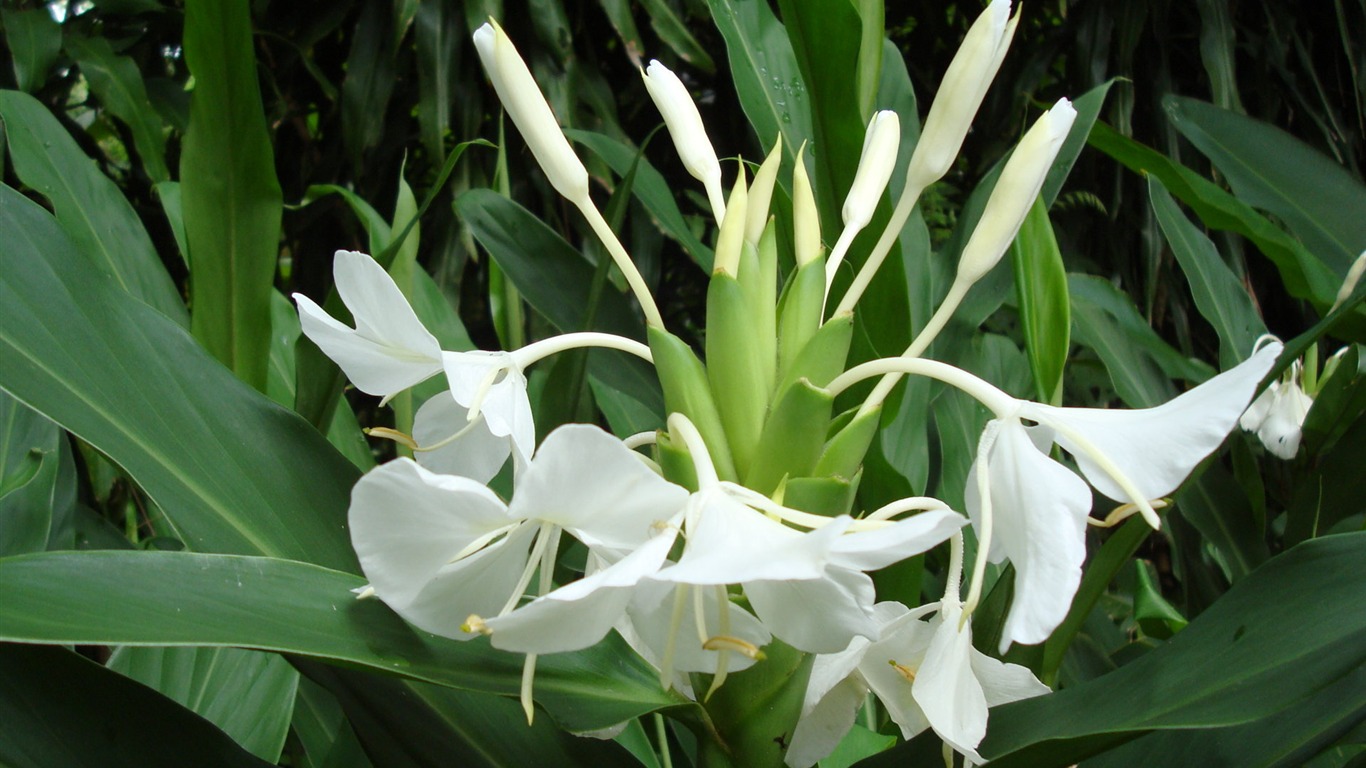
(761, 193)
(732, 236)
(806, 218)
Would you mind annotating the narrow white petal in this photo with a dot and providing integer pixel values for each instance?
(946, 688)
(1003, 683)
(376, 365)
(820, 729)
(816, 615)
(1040, 510)
(884, 666)
(1158, 447)
(480, 584)
(478, 454)
(582, 612)
(871, 550)
(584, 480)
(651, 618)
(407, 523)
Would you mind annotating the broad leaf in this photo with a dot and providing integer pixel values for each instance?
(1045, 312)
(117, 82)
(35, 41)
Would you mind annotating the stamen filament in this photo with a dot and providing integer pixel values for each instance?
(482, 541)
(482, 391)
(666, 663)
(722, 649)
(470, 424)
(1108, 467)
(386, 433)
(1123, 512)
(533, 561)
(901, 669)
(727, 643)
(773, 509)
(528, 678)
(909, 504)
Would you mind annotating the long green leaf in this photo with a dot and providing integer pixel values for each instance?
(1270, 169)
(1045, 312)
(88, 205)
(57, 708)
(181, 598)
(28, 474)
(248, 694)
(1219, 294)
(35, 41)
(1284, 633)
(230, 196)
(117, 82)
(233, 471)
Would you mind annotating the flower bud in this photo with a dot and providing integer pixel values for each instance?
(875, 165)
(731, 239)
(805, 216)
(961, 92)
(761, 193)
(524, 103)
(685, 126)
(1015, 191)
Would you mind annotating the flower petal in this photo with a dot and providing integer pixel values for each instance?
(1039, 522)
(871, 550)
(408, 523)
(503, 402)
(826, 722)
(651, 618)
(1157, 447)
(586, 481)
(816, 615)
(478, 454)
(389, 350)
(948, 692)
(1003, 683)
(901, 649)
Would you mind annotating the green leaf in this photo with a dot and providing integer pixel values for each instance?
(1281, 635)
(1045, 312)
(51, 701)
(1219, 510)
(28, 475)
(1088, 109)
(1270, 169)
(233, 471)
(1155, 616)
(182, 598)
(650, 188)
(438, 31)
(767, 79)
(371, 72)
(35, 40)
(1218, 293)
(229, 192)
(1139, 361)
(674, 33)
(88, 205)
(1305, 276)
(247, 694)
(322, 736)
(117, 82)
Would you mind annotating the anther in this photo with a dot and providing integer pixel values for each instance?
(729, 643)
(475, 625)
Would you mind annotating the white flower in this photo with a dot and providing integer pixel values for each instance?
(529, 111)
(875, 165)
(1278, 414)
(438, 549)
(685, 126)
(1039, 507)
(389, 350)
(927, 675)
(450, 444)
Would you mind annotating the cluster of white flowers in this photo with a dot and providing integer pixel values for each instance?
(699, 579)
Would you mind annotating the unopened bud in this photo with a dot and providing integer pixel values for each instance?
(524, 103)
(761, 193)
(875, 165)
(685, 126)
(1015, 191)
(732, 236)
(806, 218)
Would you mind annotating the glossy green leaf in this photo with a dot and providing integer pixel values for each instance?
(1045, 311)
(88, 205)
(230, 196)
(29, 459)
(1273, 645)
(247, 694)
(117, 82)
(233, 471)
(1304, 274)
(322, 736)
(1219, 294)
(371, 71)
(650, 188)
(1269, 169)
(1139, 361)
(181, 598)
(674, 33)
(1220, 511)
(51, 700)
(767, 79)
(438, 31)
(35, 41)
(1088, 107)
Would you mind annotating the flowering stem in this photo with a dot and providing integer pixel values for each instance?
(985, 517)
(910, 504)
(998, 402)
(836, 257)
(909, 195)
(919, 344)
(544, 348)
(697, 449)
(623, 261)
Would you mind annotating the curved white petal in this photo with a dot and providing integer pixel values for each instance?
(883, 665)
(1255, 414)
(582, 612)
(407, 524)
(480, 584)
(730, 543)
(1157, 447)
(1003, 683)
(587, 482)
(389, 350)
(1283, 426)
(504, 403)
(478, 454)
(1039, 522)
(651, 618)
(948, 692)
(871, 550)
(826, 722)
(816, 615)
